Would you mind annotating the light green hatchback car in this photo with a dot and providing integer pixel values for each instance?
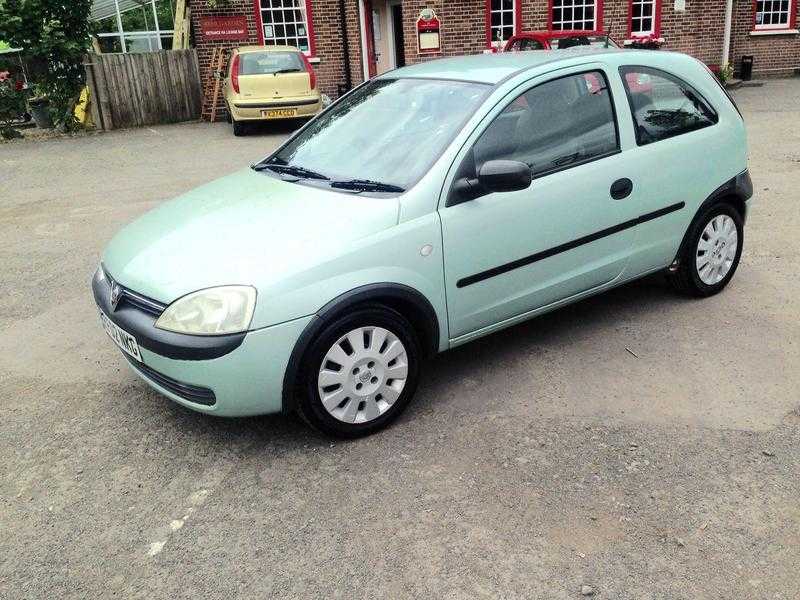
(428, 207)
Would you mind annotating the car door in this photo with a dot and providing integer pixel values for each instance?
(680, 158)
(506, 254)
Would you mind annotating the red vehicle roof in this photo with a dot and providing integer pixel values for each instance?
(544, 37)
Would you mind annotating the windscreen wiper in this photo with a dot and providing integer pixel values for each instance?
(367, 185)
(294, 170)
(292, 70)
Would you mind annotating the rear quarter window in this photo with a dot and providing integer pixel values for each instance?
(663, 105)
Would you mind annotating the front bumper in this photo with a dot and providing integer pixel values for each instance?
(251, 110)
(209, 375)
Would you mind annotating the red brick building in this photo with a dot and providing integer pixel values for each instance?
(338, 34)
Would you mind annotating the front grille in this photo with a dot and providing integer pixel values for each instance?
(190, 393)
(134, 299)
(141, 302)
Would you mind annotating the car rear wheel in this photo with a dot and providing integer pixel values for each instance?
(238, 128)
(712, 252)
(359, 373)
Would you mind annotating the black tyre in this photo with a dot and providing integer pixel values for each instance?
(238, 128)
(359, 373)
(711, 252)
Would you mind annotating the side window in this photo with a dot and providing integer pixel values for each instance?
(663, 105)
(553, 126)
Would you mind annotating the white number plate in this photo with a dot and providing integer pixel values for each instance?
(122, 338)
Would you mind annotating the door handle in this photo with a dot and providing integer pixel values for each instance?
(621, 188)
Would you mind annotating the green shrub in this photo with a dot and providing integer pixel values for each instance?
(12, 105)
(57, 35)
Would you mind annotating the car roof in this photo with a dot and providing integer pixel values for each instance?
(244, 49)
(494, 68)
(557, 34)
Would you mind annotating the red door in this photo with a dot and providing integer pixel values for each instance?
(372, 59)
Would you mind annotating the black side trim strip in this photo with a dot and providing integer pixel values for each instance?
(190, 393)
(523, 262)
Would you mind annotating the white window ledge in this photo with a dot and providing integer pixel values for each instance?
(775, 32)
(642, 40)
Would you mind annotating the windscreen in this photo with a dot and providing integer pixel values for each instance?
(389, 131)
(595, 41)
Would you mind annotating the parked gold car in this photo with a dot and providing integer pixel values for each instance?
(269, 82)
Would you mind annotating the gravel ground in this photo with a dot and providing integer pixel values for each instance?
(541, 462)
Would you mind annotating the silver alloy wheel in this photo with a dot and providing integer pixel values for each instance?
(716, 249)
(363, 374)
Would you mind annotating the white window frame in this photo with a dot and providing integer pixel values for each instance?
(772, 7)
(266, 14)
(574, 5)
(504, 14)
(634, 19)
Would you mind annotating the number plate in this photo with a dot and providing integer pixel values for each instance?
(279, 113)
(122, 338)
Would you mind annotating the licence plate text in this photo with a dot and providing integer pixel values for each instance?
(279, 113)
(121, 338)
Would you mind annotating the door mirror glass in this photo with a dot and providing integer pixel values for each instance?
(504, 176)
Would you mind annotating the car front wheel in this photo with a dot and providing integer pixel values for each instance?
(712, 252)
(359, 373)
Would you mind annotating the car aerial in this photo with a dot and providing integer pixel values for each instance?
(268, 83)
(428, 207)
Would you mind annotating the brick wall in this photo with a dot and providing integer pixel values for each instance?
(327, 33)
(204, 48)
(775, 55)
(697, 31)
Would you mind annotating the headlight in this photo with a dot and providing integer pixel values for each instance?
(215, 311)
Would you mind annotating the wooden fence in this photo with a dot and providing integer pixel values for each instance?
(138, 89)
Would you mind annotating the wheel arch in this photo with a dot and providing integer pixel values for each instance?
(409, 302)
(736, 192)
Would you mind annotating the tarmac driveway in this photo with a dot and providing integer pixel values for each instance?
(636, 445)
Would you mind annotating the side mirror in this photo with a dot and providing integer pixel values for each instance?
(504, 176)
(494, 176)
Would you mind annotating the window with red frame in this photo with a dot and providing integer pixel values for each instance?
(285, 23)
(575, 15)
(644, 17)
(774, 14)
(502, 16)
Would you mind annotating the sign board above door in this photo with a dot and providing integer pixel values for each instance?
(232, 28)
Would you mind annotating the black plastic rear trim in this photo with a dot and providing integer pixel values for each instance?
(278, 104)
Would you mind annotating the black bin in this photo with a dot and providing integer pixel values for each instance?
(747, 68)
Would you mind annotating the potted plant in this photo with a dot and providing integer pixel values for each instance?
(12, 107)
(39, 104)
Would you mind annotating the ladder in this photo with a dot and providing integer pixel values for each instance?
(213, 86)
